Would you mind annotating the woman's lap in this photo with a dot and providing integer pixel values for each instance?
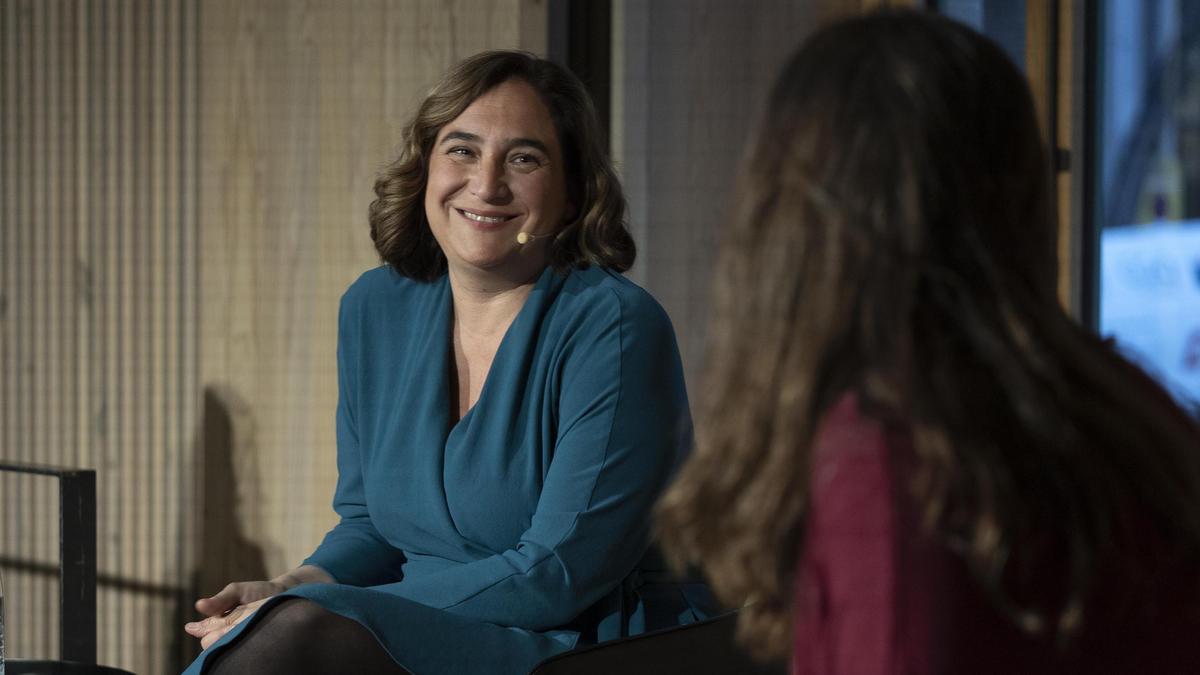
(418, 638)
(299, 636)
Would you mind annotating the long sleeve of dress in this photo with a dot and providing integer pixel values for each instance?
(353, 552)
(623, 422)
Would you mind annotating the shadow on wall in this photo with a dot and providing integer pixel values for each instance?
(228, 471)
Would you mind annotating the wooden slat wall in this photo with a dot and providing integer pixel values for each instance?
(98, 307)
(183, 189)
(1048, 65)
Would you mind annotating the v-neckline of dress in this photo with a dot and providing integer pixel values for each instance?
(447, 341)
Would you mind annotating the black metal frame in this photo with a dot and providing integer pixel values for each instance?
(76, 557)
(1084, 206)
(580, 38)
(707, 646)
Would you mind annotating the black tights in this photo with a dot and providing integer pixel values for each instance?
(299, 636)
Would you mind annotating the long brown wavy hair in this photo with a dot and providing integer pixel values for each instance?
(597, 235)
(894, 237)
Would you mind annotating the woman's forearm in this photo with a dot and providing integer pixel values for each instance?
(304, 574)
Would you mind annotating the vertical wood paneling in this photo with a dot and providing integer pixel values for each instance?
(174, 241)
(1070, 242)
(8, 276)
(1048, 46)
(96, 308)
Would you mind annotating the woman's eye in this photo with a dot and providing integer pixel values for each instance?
(459, 151)
(526, 160)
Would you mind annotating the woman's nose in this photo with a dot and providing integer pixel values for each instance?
(489, 183)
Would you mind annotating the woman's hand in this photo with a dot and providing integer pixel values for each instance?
(240, 599)
(211, 629)
(236, 594)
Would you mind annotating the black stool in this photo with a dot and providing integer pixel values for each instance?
(702, 647)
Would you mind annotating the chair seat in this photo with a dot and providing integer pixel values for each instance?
(43, 667)
(702, 647)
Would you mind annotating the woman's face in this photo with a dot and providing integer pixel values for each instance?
(497, 170)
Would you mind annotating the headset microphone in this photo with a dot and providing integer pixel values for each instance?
(525, 237)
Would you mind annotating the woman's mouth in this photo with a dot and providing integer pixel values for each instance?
(482, 218)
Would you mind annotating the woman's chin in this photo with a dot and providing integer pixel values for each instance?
(515, 260)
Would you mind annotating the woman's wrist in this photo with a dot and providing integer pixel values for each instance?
(305, 574)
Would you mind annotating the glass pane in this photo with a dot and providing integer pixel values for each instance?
(1001, 20)
(1148, 197)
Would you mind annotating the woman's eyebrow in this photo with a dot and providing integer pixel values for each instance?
(528, 142)
(461, 136)
(508, 144)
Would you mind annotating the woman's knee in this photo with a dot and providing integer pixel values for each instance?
(299, 620)
(276, 642)
(300, 636)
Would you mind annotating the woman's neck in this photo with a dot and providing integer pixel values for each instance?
(485, 305)
(484, 308)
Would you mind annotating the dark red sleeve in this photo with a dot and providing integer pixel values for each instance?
(846, 620)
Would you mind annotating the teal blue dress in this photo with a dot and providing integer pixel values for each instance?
(521, 531)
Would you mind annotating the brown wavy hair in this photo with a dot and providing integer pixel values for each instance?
(597, 235)
(894, 237)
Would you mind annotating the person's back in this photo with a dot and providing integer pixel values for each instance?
(877, 594)
(1009, 493)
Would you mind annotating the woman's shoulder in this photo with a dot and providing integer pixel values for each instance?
(604, 295)
(383, 285)
(847, 433)
(851, 455)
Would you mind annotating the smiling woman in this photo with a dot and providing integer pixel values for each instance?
(592, 231)
(510, 408)
(497, 171)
